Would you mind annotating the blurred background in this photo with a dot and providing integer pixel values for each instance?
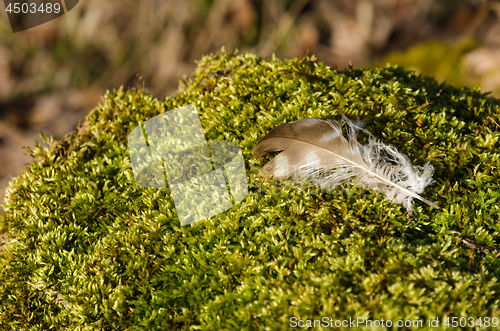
(52, 75)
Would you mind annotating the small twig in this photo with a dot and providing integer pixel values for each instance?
(482, 248)
(493, 121)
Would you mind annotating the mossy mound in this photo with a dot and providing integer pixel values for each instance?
(92, 250)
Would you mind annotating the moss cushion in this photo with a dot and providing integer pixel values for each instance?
(89, 249)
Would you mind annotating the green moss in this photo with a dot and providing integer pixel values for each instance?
(117, 254)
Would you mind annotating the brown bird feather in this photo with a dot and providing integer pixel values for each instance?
(316, 150)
